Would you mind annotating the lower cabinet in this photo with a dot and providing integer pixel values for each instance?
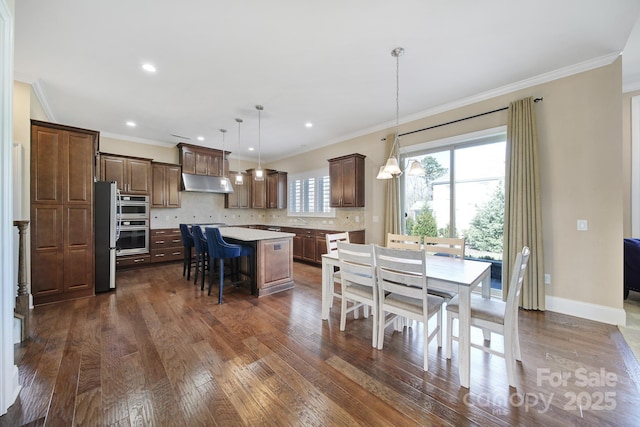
(166, 245)
(128, 261)
(309, 244)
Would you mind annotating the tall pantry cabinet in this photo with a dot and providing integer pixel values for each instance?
(62, 247)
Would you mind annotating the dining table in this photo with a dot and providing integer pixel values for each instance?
(444, 273)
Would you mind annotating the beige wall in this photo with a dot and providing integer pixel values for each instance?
(580, 141)
(626, 155)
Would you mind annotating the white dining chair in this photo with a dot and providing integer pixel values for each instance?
(496, 316)
(402, 293)
(403, 241)
(451, 246)
(358, 276)
(332, 246)
(447, 246)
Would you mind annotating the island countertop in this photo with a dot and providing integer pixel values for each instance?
(252, 234)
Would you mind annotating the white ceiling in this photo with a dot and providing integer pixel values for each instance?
(326, 62)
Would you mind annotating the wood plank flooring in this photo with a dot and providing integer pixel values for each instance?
(159, 352)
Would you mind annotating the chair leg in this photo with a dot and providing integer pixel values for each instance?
(221, 285)
(516, 341)
(195, 278)
(425, 337)
(374, 327)
(211, 271)
(381, 324)
(187, 252)
(509, 357)
(184, 263)
(439, 327)
(449, 334)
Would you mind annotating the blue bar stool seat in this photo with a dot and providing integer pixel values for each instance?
(221, 250)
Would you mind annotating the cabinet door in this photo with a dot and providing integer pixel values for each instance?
(309, 248)
(277, 190)
(258, 192)
(215, 165)
(335, 177)
(173, 176)
(47, 250)
(139, 176)
(46, 165)
(78, 168)
(188, 159)
(202, 163)
(78, 248)
(113, 169)
(321, 247)
(297, 247)
(158, 186)
(348, 182)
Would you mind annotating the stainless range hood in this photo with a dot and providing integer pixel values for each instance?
(206, 184)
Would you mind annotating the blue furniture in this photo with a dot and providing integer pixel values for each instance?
(220, 250)
(631, 266)
(187, 243)
(202, 252)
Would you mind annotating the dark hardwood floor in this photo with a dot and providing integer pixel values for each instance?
(159, 352)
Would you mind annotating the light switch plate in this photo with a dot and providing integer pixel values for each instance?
(582, 225)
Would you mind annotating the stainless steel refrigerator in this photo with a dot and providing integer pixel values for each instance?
(106, 234)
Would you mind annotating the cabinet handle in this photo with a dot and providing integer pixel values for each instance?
(159, 255)
(175, 253)
(160, 242)
(139, 260)
(176, 240)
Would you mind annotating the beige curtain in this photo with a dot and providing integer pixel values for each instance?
(522, 217)
(392, 214)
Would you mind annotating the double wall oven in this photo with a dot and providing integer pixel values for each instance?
(133, 212)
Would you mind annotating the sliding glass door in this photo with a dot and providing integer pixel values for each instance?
(461, 195)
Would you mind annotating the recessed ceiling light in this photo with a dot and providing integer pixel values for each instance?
(201, 138)
(308, 124)
(131, 124)
(149, 67)
(251, 148)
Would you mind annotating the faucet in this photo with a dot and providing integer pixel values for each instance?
(304, 221)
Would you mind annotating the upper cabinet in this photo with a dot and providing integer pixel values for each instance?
(240, 198)
(346, 175)
(166, 185)
(276, 190)
(133, 174)
(200, 160)
(258, 190)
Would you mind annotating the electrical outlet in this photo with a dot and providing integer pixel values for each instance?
(547, 279)
(582, 225)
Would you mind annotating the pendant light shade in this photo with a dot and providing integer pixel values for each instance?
(259, 173)
(391, 167)
(239, 179)
(416, 169)
(383, 175)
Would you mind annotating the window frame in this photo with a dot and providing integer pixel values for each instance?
(316, 174)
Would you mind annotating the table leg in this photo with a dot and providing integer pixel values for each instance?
(464, 339)
(327, 276)
(486, 293)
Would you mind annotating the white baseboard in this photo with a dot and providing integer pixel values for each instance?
(586, 310)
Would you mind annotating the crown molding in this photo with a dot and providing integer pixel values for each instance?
(38, 89)
(631, 83)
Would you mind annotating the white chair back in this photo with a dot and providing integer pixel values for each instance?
(403, 241)
(452, 246)
(333, 239)
(515, 286)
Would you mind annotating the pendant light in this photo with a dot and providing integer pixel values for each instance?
(391, 168)
(225, 183)
(259, 172)
(239, 180)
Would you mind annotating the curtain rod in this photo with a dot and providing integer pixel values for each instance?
(459, 120)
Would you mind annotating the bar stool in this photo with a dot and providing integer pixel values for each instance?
(187, 243)
(202, 252)
(221, 250)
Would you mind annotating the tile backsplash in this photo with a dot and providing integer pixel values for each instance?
(205, 208)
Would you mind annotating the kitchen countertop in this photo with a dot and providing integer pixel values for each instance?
(252, 234)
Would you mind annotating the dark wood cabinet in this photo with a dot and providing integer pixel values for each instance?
(241, 196)
(258, 190)
(200, 160)
(165, 185)
(62, 248)
(277, 190)
(310, 244)
(346, 175)
(132, 174)
(166, 245)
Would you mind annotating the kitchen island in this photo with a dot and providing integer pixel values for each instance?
(273, 260)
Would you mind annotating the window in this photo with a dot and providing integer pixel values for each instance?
(309, 194)
(462, 194)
